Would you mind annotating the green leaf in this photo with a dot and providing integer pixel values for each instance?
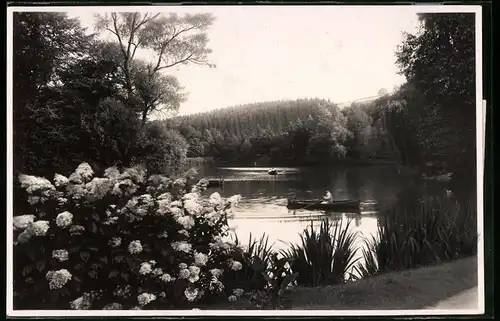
(27, 269)
(125, 276)
(113, 273)
(96, 217)
(31, 254)
(84, 256)
(258, 265)
(40, 265)
(64, 292)
(287, 280)
(77, 279)
(74, 249)
(54, 296)
(79, 266)
(104, 259)
(94, 227)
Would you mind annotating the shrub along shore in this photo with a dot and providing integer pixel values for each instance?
(127, 240)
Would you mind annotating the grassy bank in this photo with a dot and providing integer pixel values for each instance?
(411, 289)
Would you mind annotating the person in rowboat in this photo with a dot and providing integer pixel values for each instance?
(328, 198)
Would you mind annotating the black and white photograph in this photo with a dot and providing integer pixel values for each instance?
(265, 160)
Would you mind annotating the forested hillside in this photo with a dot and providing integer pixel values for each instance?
(296, 132)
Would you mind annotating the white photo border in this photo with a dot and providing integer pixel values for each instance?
(480, 138)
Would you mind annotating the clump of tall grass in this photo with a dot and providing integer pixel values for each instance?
(256, 259)
(421, 233)
(324, 257)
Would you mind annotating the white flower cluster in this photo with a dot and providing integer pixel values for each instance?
(215, 199)
(76, 230)
(216, 285)
(60, 180)
(21, 222)
(166, 278)
(180, 183)
(138, 206)
(158, 183)
(82, 303)
(238, 292)
(136, 174)
(38, 228)
(124, 188)
(182, 246)
(146, 268)
(216, 272)
(64, 219)
(164, 202)
(60, 255)
(123, 292)
(145, 298)
(193, 207)
(235, 265)
(234, 200)
(82, 174)
(191, 294)
(187, 222)
(57, 279)
(194, 274)
(200, 259)
(115, 242)
(135, 247)
(98, 188)
(157, 272)
(34, 184)
(220, 245)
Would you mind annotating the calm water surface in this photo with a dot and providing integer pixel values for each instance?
(264, 197)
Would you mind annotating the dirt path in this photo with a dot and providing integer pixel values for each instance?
(467, 299)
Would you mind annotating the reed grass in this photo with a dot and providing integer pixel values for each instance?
(324, 257)
(422, 233)
(256, 259)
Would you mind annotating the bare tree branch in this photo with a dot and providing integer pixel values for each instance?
(117, 33)
(188, 58)
(164, 46)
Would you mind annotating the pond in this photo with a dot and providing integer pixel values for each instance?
(264, 197)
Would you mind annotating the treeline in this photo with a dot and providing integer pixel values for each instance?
(428, 122)
(303, 131)
(78, 98)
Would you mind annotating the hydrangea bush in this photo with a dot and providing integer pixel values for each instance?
(121, 241)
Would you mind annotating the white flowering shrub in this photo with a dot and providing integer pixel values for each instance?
(121, 241)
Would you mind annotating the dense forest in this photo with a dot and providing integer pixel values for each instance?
(297, 132)
(77, 97)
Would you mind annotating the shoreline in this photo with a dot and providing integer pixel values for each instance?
(449, 285)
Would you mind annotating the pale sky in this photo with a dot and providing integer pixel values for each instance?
(266, 53)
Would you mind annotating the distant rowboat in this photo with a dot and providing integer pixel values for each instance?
(215, 183)
(319, 205)
(272, 172)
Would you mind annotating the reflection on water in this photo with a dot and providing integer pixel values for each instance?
(264, 197)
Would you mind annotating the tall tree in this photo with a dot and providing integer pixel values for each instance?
(45, 46)
(173, 40)
(439, 61)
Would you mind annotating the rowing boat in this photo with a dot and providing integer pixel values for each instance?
(320, 205)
